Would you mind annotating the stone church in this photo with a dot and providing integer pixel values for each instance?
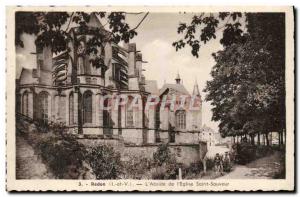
(67, 88)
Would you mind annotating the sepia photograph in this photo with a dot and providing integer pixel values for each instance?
(148, 98)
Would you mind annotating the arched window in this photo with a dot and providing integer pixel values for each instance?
(180, 119)
(129, 113)
(87, 107)
(80, 63)
(43, 106)
(107, 122)
(71, 108)
(25, 103)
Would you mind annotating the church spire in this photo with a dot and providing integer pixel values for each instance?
(196, 89)
(177, 79)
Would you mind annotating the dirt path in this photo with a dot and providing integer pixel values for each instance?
(263, 168)
(29, 166)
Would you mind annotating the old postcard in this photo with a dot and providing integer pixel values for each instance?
(150, 98)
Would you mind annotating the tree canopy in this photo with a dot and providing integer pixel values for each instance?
(248, 86)
(52, 29)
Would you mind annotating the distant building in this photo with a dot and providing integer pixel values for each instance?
(209, 135)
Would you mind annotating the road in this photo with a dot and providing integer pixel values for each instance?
(263, 168)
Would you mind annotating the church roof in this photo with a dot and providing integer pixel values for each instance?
(151, 86)
(177, 87)
(93, 22)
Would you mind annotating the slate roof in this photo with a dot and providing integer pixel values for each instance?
(177, 87)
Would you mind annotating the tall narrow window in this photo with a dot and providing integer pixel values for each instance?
(129, 114)
(87, 107)
(180, 119)
(71, 109)
(87, 67)
(107, 123)
(80, 67)
(43, 106)
(25, 104)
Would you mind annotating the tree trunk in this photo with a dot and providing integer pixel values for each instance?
(279, 138)
(258, 138)
(252, 139)
(234, 139)
(281, 134)
(267, 139)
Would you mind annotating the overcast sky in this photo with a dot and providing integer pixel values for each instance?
(155, 37)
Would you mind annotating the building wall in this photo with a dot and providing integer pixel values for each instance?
(187, 137)
(143, 130)
(185, 154)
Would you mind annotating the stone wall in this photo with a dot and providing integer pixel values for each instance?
(185, 153)
(187, 137)
(133, 135)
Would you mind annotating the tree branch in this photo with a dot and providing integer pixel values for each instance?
(70, 21)
(140, 21)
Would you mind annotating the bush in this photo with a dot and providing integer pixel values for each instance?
(105, 162)
(245, 152)
(262, 151)
(137, 167)
(164, 163)
(64, 156)
(192, 170)
(162, 155)
(210, 163)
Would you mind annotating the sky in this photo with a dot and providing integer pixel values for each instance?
(155, 37)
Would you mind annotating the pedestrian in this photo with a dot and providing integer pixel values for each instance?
(226, 163)
(218, 163)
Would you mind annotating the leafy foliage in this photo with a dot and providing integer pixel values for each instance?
(162, 155)
(248, 85)
(204, 26)
(165, 163)
(105, 162)
(137, 167)
(52, 29)
(64, 156)
(247, 152)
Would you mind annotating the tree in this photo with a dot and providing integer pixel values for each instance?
(52, 29)
(203, 28)
(248, 85)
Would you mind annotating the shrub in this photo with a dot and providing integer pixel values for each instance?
(64, 156)
(262, 151)
(105, 162)
(137, 167)
(245, 152)
(210, 163)
(162, 155)
(192, 170)
(165, 163)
